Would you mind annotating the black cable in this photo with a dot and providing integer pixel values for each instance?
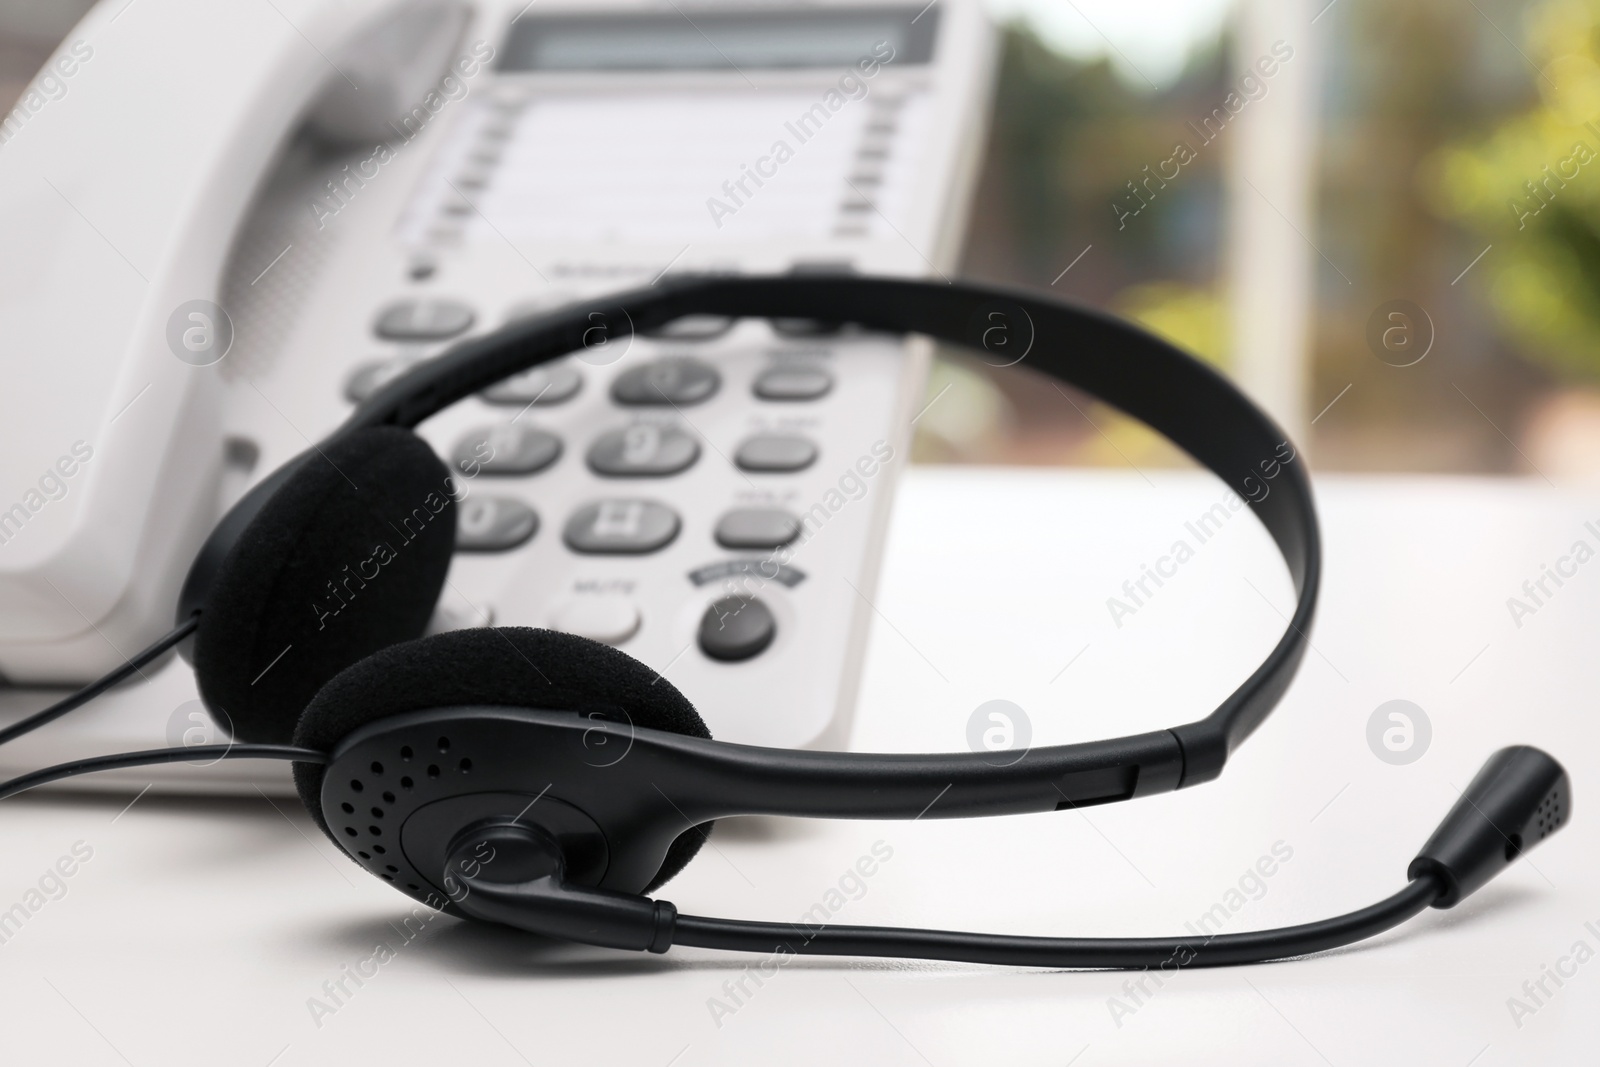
(1108, 952)
(95, 688)
(156, 756)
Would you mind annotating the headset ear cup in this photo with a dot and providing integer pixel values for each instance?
(347, 557)
(511, 666)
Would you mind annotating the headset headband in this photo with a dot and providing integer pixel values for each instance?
(1173, 393)
(577, 870)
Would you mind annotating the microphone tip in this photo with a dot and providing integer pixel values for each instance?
(1520, 797)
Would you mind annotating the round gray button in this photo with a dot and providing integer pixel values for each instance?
(493, 523)
(509, 449)
(793, 383)
(621, 527)
(666, 381)
(775, 452)
(643, 450)
(757, 528)
(542, 386)
(423, 320)
(736, 628)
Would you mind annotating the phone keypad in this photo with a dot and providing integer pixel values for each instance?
(661, 442)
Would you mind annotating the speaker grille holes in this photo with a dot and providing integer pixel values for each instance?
(389, 781)
(1513, 847)
(1550, 815)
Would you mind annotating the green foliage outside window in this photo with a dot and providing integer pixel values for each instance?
(1531, 188)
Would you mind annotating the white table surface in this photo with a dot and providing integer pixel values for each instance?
(200, 930)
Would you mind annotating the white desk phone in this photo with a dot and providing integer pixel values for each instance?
(327, 192)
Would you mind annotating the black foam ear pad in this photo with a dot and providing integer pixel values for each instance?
(347, 557)
(512, 666)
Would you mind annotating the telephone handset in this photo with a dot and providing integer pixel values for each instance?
(119, 201)
(231, 222)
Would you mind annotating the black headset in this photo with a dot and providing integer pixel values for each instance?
(478, 770)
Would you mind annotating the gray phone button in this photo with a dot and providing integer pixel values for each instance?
(493, 523)
(423, 320)
(643, 450)
(757, 528)
(693, 328)
(621, 527)
(736, 628)
(610, 618)
(509, 449)
(541, 385)
(775, 452)
(793, 383)
(369, 377)
(678, 380)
